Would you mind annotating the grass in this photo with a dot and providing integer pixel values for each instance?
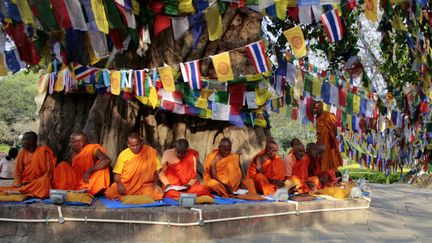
(372, 176)
(4, 148)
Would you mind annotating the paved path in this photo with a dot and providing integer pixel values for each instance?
(398, 213)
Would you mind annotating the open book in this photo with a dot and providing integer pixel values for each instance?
(240, 192)
(176, 188)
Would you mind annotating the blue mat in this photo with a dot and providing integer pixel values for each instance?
(218, 201)
(48, 201)
(118, 204)
(27, 201)
(170, 202)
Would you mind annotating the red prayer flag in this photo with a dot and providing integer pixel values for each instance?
(339, 118)
(61, 13)
(342, 97)
(161, 23)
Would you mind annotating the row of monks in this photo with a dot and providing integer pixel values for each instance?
(139, 171)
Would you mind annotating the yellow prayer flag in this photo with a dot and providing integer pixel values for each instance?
(135, 7)
(90, 89)
(296, 41)
(281, 8)
(25, 11)
(186, 6)
(115, 82)
(326, 107)
(222, 65)
(316, 87)
(90, 51)
(254, 77)
(201, 103)
(166, 76)
(356, 104)
(3, 68)
(371, 10)
(349, 121)
(214, 22)
(100, 16)
(205, 93)
(153, 97)
(59, 83)
(397, 23)
(262, 95)
(292, 3)
(143, 99)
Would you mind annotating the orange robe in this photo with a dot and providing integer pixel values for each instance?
(331, 158)
(138, 176)
(300, 166)
(181, 173)
(314, 166)
(272, 169)
(35, 169)
(227, 171)
(69, 177)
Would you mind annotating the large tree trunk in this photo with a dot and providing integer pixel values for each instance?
(109, 119)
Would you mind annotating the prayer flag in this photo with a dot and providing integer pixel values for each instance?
(61, 13)
(115, 82)
(167, 78)
(296, 41)
(81, 72)
(299, 85)
(186, 6)
(196, 24)
(325, 92)
(59, 84)
(308, 82)
(308, 2)
(220, 112)
(263, 4)
(161, 23)
(332, 25)
(140, 78)
(12, 61)
(258, 56)
(371, 10)
(334, 95)
(3, 67)
(214, 22)
(76, 15)
(356, 104)
(99, 16)
(281, 8)
(191, 74)
(222, 65)
(180, 26)
(350, 101)
(153, 97)
(305, 14)
(342, 97)
(316, 87)
(25, 11)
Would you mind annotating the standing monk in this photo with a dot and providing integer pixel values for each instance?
(326, 135)
(179, 169)
(267, 169)
(89, 170)
(34, 168)
(135, 172)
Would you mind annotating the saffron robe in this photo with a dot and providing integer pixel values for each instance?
(181, 173)
(138, 176)
(331, 158)
(36, 170)
(70, 177)
(272, 169)
(227, 171)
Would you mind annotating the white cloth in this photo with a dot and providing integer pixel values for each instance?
(180, 26)
(7, 168)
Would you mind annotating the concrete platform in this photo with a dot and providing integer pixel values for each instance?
(72, 223)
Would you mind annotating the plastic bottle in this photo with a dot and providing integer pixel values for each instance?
(345, 176)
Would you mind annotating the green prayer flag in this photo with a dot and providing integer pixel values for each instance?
(171, 7)
(113, 15)
(222, 97)
(146, 15)
(350, 101)
(308, 82)
(344, 119)
(46, 15)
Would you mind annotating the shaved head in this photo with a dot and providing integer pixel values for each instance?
(225, 147)
(182, 147)
(29, 141)
(77, 141)
(134, 135)
(80, 135)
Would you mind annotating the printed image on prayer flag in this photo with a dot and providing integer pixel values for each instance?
(296, 41)
(222, 65)
(332, 25)
(115, 82)
(167, 78)
(371, 10)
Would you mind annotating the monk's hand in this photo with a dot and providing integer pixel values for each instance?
(311, 186)
(121, 188)
(229, 189)
(86, 176)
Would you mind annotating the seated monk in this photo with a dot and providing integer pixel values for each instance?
(89, 171)
(34, 168)
(222, 173)
(314, 152)
(267, 169)
(135, 172)
(179, 169)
